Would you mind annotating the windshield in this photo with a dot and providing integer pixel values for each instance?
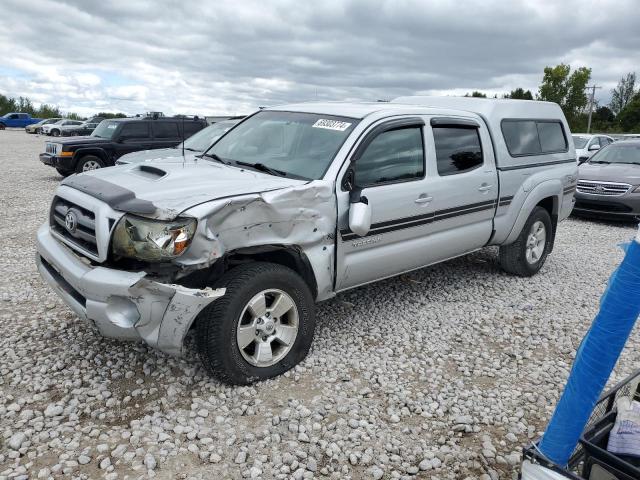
(200, 141)
(298, 144)
(618, 153)
(105, 129)
(580, 142)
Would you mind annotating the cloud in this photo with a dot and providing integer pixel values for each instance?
(232, 57)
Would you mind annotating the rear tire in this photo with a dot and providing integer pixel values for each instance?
(88, 163)
(2, 126)
(221, 326)
(526, 256)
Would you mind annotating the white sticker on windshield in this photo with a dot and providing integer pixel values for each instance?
(331, 124)
(112, 126)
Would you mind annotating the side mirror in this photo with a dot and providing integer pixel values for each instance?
(359, 213)
(593, 148)
(582, 160)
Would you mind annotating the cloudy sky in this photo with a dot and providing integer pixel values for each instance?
(232, 57)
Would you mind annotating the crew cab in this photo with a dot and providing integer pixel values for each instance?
(113, 138)
(296, 204)
(17, 120)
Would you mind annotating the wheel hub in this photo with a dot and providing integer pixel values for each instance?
(536, 242)
(267, 328)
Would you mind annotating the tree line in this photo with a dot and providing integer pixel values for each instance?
(569, 90)
(559, 84)
(25, 105)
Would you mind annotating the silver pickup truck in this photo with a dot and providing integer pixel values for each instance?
(296, 204)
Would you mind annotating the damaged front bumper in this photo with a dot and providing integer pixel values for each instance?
(124, 305)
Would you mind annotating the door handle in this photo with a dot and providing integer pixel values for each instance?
(485, 188)
(423, 199)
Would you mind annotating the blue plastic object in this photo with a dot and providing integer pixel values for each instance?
(595, 359)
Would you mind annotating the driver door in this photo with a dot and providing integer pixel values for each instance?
(389, 166)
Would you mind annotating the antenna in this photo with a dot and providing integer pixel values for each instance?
(183, 159)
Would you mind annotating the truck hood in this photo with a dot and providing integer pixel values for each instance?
(158, 155)
(612, 172)
(163, 190)
(84, 140)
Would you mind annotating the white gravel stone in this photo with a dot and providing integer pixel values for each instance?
(426, 370)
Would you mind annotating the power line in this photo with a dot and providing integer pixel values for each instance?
(591, 102)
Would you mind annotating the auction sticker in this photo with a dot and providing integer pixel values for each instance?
(331, 124)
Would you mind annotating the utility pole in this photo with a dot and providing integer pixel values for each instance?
(591, 102)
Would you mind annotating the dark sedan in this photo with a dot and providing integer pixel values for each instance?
(609, 183)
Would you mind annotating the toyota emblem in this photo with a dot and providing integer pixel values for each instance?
(599, 188)
(71, 221)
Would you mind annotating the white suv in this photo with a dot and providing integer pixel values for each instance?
(587, 144)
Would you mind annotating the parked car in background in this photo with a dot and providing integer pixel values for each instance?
(295, 204)
(113, 138)
(84, 128)
(55, 129)
(586, 144)
(36, 127)
(194, 145)
(17, 120)
(609, 183)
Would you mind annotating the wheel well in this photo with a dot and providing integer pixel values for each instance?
(96, 153)
(551, 205)
(289, 256)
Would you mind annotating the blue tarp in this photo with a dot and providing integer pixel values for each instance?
(595, 359)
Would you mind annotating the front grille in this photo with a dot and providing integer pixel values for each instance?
(603, 188)
(51, 148)
(81, 230)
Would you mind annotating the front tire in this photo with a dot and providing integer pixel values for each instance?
(64, 173)
(88, 163)
(262, 326)
(55, 132)
(526, 256)
(2, 126)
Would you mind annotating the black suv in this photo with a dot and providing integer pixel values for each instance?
(113, 138)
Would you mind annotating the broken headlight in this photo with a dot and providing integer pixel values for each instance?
(152, 240)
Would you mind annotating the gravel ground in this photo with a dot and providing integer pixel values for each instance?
(442, 373)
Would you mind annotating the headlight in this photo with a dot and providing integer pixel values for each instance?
(152, 240)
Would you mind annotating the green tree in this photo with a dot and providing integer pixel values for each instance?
(565, 88)
(7, 105)
(520, 94)
(111, 115)
(476, 94)
(623, 93)
(629, 117)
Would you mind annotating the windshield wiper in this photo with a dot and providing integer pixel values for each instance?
(600, 161)
(190, 149)
(262, 168)
(213, 156)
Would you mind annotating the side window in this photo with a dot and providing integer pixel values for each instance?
(166, 130)
(533, 137)
(458, 149)
(604, 141)
(14, 116)
(551, 137)
(594, 141)
(135, 131)
(191, 127)
(393, 156)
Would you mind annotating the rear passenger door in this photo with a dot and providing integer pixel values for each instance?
(133, 136)
(463, 184)
(165, 134)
